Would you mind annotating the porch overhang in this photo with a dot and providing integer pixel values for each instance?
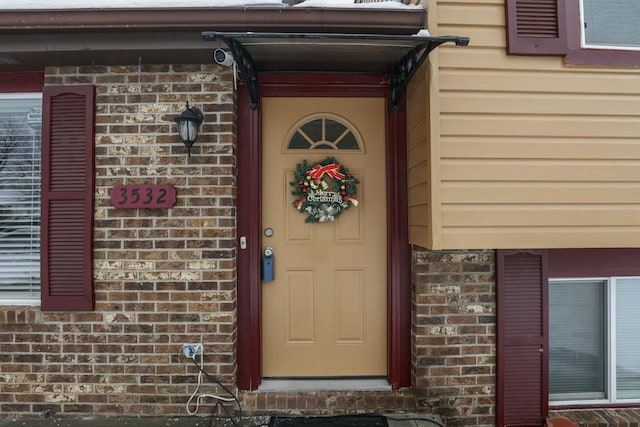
(31, 39)
(399, 56)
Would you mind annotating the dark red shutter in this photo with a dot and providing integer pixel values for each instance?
(537, 27)
(522, 338)
(67, 198)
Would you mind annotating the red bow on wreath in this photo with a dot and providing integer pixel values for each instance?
(333, 170)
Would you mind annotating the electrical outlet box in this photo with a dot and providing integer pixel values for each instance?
(192, 350)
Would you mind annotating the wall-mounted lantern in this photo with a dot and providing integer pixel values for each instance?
(188, 122)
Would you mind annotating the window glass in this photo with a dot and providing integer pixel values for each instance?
(313, 129)
(611, 23)
(594, 340)
(348, 142)
(334, 129)
(299, 142)
(628, 338)
(577, 340)
(323, 134)
(20, 123)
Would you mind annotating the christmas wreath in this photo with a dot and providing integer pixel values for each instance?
(323, 189)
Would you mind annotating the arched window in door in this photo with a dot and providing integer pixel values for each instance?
(324, 132)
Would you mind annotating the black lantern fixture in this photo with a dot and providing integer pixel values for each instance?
(188, 122)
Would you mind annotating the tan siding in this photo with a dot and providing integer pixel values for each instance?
(533, 153)
(564, 170)
(540, 193)
(470, 12)
(555, 215)
(535, 148)
(540, 237)
(557, 105)
(578, 81)
(417, 219)
(418, 159)
(419, 195)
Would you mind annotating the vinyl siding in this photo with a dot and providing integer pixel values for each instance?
(533, 153)
(418, 160)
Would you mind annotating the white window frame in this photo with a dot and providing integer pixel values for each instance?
(35, 299)
(610, 331)
(585, 45)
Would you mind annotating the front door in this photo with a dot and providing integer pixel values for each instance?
(324, 314)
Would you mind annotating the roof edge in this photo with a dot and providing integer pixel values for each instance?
(352, 20)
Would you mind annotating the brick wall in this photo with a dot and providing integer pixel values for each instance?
(166, 277)
(162, 277)
(454, 335)
(327, 402)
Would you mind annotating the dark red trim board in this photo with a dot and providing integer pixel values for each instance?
(567, 263)
(21, 82)
(249, 218)
(249, 226)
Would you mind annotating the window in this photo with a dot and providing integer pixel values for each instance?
(20, 124)
(594, 340)
(573, 339)
(585, 32)
(576, 340)
(323, 133)
(610, 24)
(47, 181)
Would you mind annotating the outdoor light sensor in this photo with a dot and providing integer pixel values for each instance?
(188, 122)
(223, 57)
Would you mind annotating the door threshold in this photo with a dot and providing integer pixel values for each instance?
(325, 384)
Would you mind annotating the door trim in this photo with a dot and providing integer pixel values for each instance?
(248, 198)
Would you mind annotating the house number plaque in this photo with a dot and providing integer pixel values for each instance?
(147, 196)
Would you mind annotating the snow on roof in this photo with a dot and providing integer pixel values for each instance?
(131, 4)
(141, 4)
(391, 4)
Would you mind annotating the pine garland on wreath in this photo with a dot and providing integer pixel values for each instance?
(323, 189)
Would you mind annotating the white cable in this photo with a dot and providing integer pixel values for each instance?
(235, 75)
(202, 396)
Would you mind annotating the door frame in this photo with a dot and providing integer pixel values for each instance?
(249, 227)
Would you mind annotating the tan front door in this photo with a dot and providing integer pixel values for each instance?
(325, 313)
